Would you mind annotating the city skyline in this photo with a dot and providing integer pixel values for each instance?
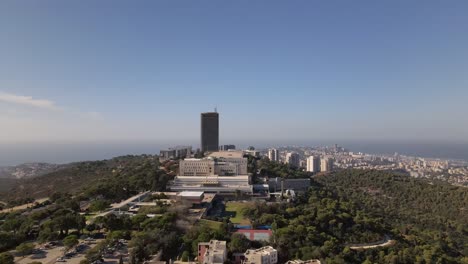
(367, 71)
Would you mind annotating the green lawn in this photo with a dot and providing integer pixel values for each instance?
(233, 209)
(211, 224)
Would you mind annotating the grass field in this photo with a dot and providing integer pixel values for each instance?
(234, 210)
(211, 224)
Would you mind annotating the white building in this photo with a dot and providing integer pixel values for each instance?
(326, 164)
(273, 154)
(313, 164)
(213, 252)
(197, 167)
(221, 172)
(213, 165)
(212, 184)
(264, 255)
(292, 158)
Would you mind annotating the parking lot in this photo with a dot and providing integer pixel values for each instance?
(55, 254)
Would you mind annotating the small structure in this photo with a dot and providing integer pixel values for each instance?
(190, 198)
(176, 152)
(298, 185)
(213, 252)
(264, 255)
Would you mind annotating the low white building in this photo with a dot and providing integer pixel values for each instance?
(264, 255)
(221, 165)
(213, 184)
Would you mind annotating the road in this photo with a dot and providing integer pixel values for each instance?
(387, 242)
(23, 206)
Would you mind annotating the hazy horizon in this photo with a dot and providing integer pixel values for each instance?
(15, 154)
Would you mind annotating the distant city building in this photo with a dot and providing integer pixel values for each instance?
(227, 147)
(292, 158)
(252, 152)
(303, 163)
(313, 164)
(264, 255)
(273, 154)
(213, 252)
(209, 131)
(176, 152)
(326, 164)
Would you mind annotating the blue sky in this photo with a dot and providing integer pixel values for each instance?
(73, 71)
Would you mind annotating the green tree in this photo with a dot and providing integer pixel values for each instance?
(185, 256)
(239, 243)
(25, 249)
(70, 241)
(7, 258)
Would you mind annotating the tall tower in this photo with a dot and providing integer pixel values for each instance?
(273, 154)
(209, 131)
(292, 158)
(326, 164)
(313, 164)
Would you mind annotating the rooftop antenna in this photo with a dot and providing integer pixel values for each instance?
(216, 109)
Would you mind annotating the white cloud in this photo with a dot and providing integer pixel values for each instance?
(28, 100)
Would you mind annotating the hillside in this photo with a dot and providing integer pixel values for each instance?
(428, 219)
(28, 170)
(71, 178)
(404, 199)
(6, 184)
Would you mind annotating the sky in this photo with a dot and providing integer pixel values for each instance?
(93, 71)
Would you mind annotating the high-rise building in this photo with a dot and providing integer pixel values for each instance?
(209, 131)
(326, 164)
(313, 164)
(273, 154)
(292, 158)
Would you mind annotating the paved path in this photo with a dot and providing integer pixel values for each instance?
(387, 242)
(24, 206)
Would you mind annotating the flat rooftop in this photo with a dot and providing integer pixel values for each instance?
(227, 154)
(190, 194)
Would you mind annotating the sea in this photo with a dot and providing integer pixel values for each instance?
(17, 153)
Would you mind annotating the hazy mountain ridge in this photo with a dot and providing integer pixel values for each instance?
(69, 178)
(28, 170)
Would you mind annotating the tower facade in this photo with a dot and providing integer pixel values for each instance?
(292, 158)
(313, 164)
(209, 131)
(273, 154)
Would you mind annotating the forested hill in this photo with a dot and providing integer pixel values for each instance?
(409, 199)
(74, 177)
(432, 217)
